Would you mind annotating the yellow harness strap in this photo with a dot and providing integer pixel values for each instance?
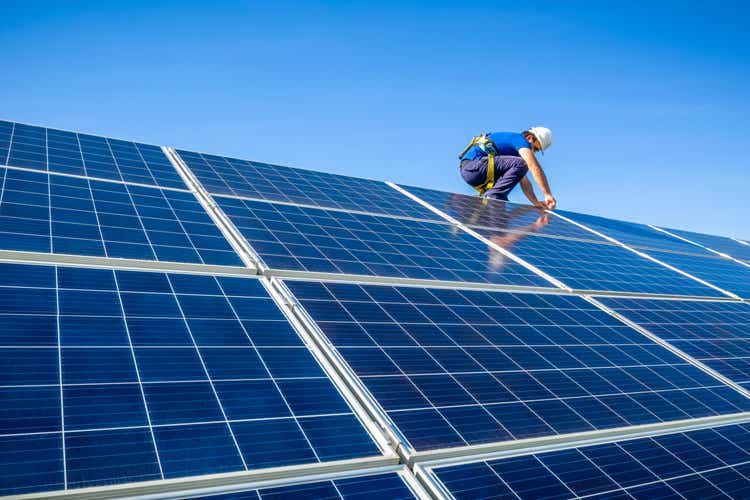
(485, 143)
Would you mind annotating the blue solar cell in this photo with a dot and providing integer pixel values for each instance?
(715, 333)
(505, 215)
(138, 389)
(291, 237)
(229, 176)
(719, 243)
(719, 271)
(191, 450)
(105, 365)
(386, 485)
(516, 365)
(708, 463)
(268, 443)
(30, 410)
(111, 456)
(52, 213)
(586, 265)
(31, 463)
(103, 406)
(251, 399)
(86, 155)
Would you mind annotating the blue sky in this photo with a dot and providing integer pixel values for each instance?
(648, 103)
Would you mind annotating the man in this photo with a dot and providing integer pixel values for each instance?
(512, 156)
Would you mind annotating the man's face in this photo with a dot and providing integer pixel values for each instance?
(534, 142)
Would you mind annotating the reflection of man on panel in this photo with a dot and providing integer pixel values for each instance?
(495, 214)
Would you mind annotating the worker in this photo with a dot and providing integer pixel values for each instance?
(495, 163)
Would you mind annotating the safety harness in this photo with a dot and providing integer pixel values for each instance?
(484, 143)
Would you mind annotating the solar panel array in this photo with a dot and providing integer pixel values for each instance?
(73, 215)
(380, 322)
(64, 152)
(121, 376)
(261, 181)
(455, 368)
(689, 257)
(716, 333)
(709, 463)
(576, 256)
(320, 240)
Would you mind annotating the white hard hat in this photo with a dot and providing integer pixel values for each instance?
(543, 135)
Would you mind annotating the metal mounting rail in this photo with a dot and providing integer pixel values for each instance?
(363, 279)
(37, 258)
(90, 178)
(224, 483)
(529, 446)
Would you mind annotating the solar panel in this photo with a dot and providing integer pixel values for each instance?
(584, 265)
(716, 333)
(476, 211)
(230, 176)
(719, 271)
(634, 234)
(86, 155)
(111, 376)
(119, 376)
(313, 239)
(456, 367)
(388, 485)
(707, 463)
(719, 243)
(72, 215)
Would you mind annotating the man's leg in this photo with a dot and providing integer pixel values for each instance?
(509, 170)
(474, 172)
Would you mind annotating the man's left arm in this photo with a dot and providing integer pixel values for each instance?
(528, 190)
(539, 176)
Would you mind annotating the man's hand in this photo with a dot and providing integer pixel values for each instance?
(538, 204)
(550, 201)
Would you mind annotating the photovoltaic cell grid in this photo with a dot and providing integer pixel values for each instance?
(719, 243)
(708, 463)
(584, 265)
(71, 215)
(312, 239)
(389, 485)
(716, 333)
(476, 211)
(634, 234)
(229, 176)
(120, 376)
(454, 368)
(719, 271)
(87, 155)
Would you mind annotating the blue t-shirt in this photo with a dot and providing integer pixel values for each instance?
(506, 143)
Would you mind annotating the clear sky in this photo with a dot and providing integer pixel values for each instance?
(648, 101)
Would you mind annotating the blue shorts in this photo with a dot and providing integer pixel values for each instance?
(509, 170)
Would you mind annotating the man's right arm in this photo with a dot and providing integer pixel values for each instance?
(539, 176)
